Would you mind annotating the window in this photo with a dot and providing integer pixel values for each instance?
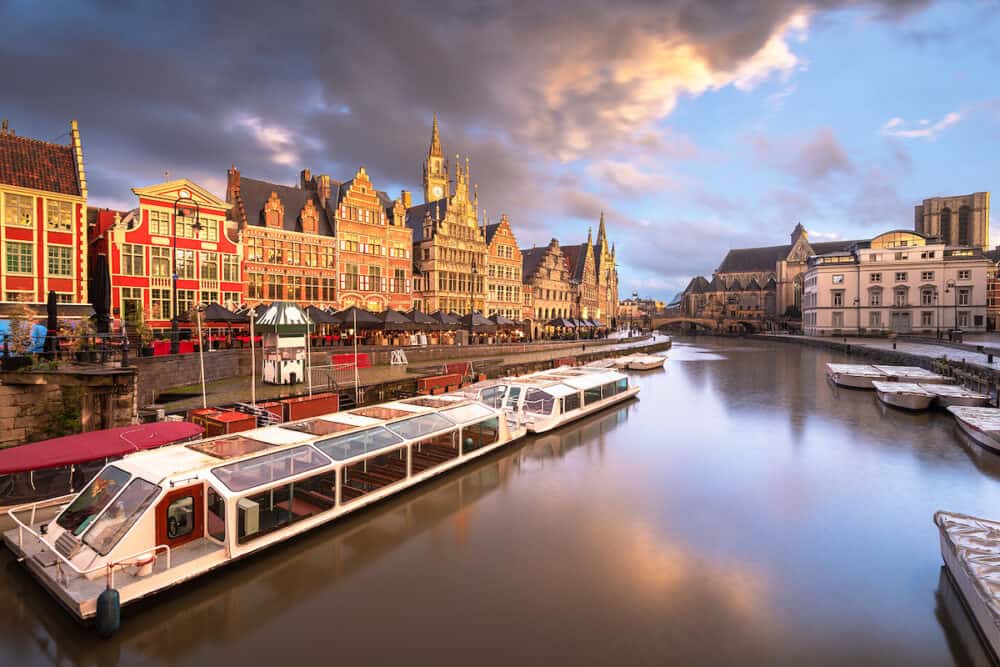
(131, 300)
(159, 301)
(900, 297)
(267, 511)
(964, 296)
(434, 451)
(246, 474)
(185, 226)
(293, 288)
(19, 257)
(350, 278)
(354, 444)
(480, 434)
(328, 289)
(926, 297)
(963, 318)
(927, 275)
(209, 296)
(231, 268)
(570, 403)
(965, 274)
(875, 277)
(59, 216)
(926, 318)
(838, 319)
(18, 210)
(116, 520)
(874, 257)
(875, 320)
(900, 256)
(231, 297)
(381, 470)
(275, 287)
(838, 279)
(591, 395)
(185, 263)
(209, 266)
(185, 301)
(312, 289)
(133, 260)
(900, 276)
(216, 528)
(159, 223)
(94, 498)
(255, 285)
(875, 297)
(159, 262)
(538, 401)
(180, 517)
(837, 298)
(375, 278)
(60, 260)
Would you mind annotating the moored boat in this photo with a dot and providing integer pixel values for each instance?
(970, 549)
(645, 362)
(856, 376)
(951, 394)
(980, 424)
(911, 374)
(904, 395)
(158, 518)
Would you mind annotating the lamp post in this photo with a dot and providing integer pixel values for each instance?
(948, 287)
(633, 310)
(472, 299)
(857, 314)
(937, 312)
(252, 314)
(185, 196)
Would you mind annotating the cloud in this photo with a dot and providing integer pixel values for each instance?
(810, 159)
(922, 129)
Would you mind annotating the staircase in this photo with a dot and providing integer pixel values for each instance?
(264, 417)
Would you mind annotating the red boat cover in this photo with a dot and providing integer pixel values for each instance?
(83, 447)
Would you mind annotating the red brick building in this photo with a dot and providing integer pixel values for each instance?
(503, 272)
(144, 244)
(43, 235)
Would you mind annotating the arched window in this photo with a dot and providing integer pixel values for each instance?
(946, 225)
(964, 226)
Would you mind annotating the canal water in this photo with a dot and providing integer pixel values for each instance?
(743, 511)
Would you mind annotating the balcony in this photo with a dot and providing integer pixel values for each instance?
(209, 284)
(159, 281)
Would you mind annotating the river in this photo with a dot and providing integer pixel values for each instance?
(742, 511)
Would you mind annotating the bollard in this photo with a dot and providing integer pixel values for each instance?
(894, 345)
(989, 358)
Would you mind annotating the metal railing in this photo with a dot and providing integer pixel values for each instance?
(37, 351)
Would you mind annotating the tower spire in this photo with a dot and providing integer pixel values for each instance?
(602, 236)
(435, 139)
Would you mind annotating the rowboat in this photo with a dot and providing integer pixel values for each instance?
(950, 394)
(856, 376)
(640, 362)
(912, 374)
(906, 395)
(980, 424)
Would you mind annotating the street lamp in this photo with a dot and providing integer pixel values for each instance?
(185, 210)
(472, 299)
(937, 312)
(632, 310)
(949, 286)
(857, 313)
(252, 314)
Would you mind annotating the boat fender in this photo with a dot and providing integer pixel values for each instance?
(109, 613)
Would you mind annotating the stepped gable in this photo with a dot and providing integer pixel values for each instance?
(37, 165)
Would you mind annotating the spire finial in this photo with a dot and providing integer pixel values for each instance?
(436, 139)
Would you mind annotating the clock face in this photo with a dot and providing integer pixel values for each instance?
(437, 191)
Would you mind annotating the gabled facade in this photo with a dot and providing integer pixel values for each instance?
(43, 219)
(503, 272)
(583, 278)
(289, 248)
(145, 245)
(606, 266)
(547, 275)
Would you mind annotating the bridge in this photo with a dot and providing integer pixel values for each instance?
(705, 323)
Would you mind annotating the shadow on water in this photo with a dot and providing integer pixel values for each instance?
(964, 640)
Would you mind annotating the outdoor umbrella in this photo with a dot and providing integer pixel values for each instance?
(365, 319)
(561, 322)
(214, 313)
(52, 322)
(393, 320)
(423, 320)
(479, 323)
(503, 323)
(447, 320)
(100, 295)
(319, 316)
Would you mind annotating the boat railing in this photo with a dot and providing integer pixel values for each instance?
(109, 568)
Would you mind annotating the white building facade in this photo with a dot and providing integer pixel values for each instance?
(899, 282)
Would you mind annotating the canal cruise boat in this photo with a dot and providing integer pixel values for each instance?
(549, 399)
(155, 519)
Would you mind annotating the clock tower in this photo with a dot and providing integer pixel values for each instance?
(435, 169)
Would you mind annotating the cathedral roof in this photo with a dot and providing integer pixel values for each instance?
(753, 284)
(698, 285)
(745, 260)
(735, 286)
(716, 285)
(415, 216)
(256, 193)
(770, 284)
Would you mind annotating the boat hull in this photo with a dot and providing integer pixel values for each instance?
(644, 365)
(852, 381)
(546, 425)
(906, 400)
(987, 439)
(963, 401)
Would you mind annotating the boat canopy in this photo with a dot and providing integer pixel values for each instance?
(94, 445)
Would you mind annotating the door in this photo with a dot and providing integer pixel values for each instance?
(180, 516)
(901, 322)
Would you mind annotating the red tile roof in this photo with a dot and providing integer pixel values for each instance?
(39, 165)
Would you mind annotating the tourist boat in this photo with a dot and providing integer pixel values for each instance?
(950, 394)
(980, 424)
(969, 549)
(548, 399)
(912, 374)
(904, 395)
(49, 472)
(640, 362)
(158, 518)
(857, 376)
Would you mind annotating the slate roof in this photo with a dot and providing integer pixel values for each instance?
(491, 231)
(735, 286)
(753, 284)
(698, 285)
(742, 260)
(415, 216)
(38, 165)
(530, 259)
(576, 259)
(716, 285)
(256, 193)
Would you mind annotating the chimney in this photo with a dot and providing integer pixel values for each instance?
(323, 188)
(232, 184)
(305, 180)
(3, 128)
(407, 198)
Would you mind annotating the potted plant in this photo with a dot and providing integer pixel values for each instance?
(82, 350)
(18, 339)
(140, 329)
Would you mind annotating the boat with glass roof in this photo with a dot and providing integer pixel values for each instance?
(549, 399)
(155, 519)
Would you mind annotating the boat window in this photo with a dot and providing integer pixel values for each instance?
(512, 398)
(622, 385)
(180, 517)
(480, 434)
(216, 515)
(116, 520)
(346, 446)
(94, 498)
(280, 506)
(467, 413)
(318, 427)
(244, 475)
(418, 426)
(493, 396)
(434, 451)
(570, 402)
(228, 448)
(591, 395)
(539, 401)
(608, 390)
(379, 412)
(372, 474)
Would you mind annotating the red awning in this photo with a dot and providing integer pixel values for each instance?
(83, 447)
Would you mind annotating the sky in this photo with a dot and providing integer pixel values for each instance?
(695, 125)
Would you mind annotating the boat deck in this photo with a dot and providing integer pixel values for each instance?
(900, 388)
(911, 374)
(984, 419)
(953, 391)
(863, 370)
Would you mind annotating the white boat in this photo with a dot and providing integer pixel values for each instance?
(904, 395)
(980, 424)
(950, 394)
(857, 376)
(548, 399)
(157, 518)
(601, 363)
(912, 374)
(645, 362)
(970, 548)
